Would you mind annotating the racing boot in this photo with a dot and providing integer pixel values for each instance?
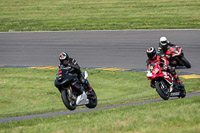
(177, 79)
(89, 89)
(179, 82)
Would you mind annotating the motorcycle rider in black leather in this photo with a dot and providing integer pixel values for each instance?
(66, 61)
(164, 45)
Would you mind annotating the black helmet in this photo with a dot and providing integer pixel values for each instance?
(64, 58)
(151, 53)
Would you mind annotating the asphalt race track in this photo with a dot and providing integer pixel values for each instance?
(121, 49)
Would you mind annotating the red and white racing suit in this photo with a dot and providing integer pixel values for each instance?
(161, 59)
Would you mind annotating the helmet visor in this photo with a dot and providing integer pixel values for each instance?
(163, 42)
(151, 56)
(65, 62)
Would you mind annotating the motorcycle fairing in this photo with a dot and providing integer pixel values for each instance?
(174, 51)
(154, 72)
(82, 99)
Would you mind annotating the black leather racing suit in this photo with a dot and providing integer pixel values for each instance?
(75, 69)
(160, 49)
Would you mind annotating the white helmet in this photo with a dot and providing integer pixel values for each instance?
(163, 41)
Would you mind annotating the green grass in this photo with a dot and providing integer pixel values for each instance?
(26, 91)
(59, 15)
(180, 116)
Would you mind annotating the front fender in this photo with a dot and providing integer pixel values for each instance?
(154, 80)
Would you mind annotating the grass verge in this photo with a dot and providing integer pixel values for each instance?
(59, 15)
(180, 116)
(26, 91)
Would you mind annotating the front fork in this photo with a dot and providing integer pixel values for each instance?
(71, 96)
(163, 86)
(180, 61)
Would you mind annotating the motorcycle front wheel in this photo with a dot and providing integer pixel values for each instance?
(71, 105)
(186, 62)
(164, 94)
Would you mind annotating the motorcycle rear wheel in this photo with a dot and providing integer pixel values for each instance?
(92, 100)
(182, 93)
(186, 62)
(66, 101)
(161, 91)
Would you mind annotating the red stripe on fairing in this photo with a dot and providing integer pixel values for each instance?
(172, 48)
(169, 79)
(77, 87)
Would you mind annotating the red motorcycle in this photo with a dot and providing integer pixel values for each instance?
(176, 57)
(165, 84)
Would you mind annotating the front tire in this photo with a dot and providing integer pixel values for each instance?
(92, 100)
(186, 62)
(66, 101)
(164, 94)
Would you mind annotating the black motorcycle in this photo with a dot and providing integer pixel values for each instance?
(69, 94)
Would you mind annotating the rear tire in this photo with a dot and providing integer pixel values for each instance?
(92, 100)
(186, 62)
(66, 101)
(163, 94)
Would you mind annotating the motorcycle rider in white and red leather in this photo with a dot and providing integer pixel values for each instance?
(154, 57)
